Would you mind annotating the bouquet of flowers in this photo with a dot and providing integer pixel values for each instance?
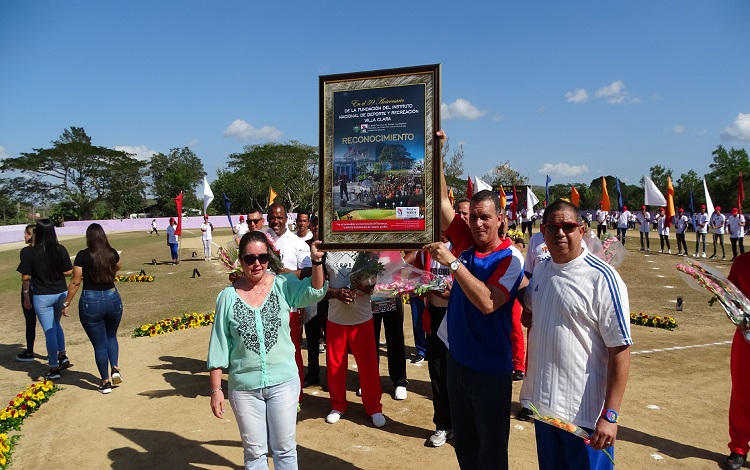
(385, 274)
(540, 413)
(169, 325)
(735, 303)
(230, 257)
(668, 323)
(134, 278)
(516, 236)
(608, 248)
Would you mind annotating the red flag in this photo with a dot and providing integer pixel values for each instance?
(514, 205)
(670, 203)
(178, 202)
(469, 189)
(740, 195)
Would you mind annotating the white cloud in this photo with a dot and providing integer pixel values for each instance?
(614, 93)
(243, 130)
(194, 143)
(635, 100)
(3, 152)
(739, 130)
(579, 95)
(498, 118)
(678, 129)
(460, 109)
(562, 169)
(141, 152)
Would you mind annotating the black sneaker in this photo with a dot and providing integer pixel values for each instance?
(116, 377)
(53, 374)
(25, 356)
(524, 414)
(105, 388)
(735, 461)
(518, 375)
(64, 363)
(417, 359)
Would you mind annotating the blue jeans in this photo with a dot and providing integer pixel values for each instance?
(420, 337)
(100, 313)
(267, 418)
(480, 413)
(49, 309)
(173, 251)
(558, 449)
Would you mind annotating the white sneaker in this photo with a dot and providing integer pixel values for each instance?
(695, 255)
(440, 436)
(400, 393)
(333, 416)
(703, 255)
(661, 251)
(378, 420)
(669, 252)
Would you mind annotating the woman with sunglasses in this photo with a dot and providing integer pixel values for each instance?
(251, 339)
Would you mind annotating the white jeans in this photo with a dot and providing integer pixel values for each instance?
(207, 248)
(267, 417)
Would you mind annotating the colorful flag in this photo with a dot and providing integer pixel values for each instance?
(531, 199)
(271, 195)
(652, 197)
(670, 202)
(709, 204)
(208, 195)
(619, 193)
(451, 196)
(575, 197)
(546, 191)
(606, 206)
(514, 205)
(178, 203)
(740, 194)
(503, 198)
(227, 204)
(469, 188)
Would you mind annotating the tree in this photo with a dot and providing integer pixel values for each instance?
(454, 169)
(180, 170)
(725, 171)
(75, 171)
(505, 175)
(659, 175)
(685, 184)
(290, 168)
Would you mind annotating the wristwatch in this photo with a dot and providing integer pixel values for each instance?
(610, 415)
(455, 264)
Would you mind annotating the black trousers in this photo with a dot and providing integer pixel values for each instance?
(601, 228)
(30, 317)
(681, 243)
(437, 366)
(313, 329)
(393, 322)
(734, 246)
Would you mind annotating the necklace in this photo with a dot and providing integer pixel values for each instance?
(258, 288)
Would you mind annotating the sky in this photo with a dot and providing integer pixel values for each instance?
(573, 90)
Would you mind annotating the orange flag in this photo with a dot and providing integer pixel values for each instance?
(670, 202)
(271, 195)
(503, 199)
(605, 196)
(575, 198)
(451, 196)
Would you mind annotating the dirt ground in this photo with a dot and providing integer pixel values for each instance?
(674, 414)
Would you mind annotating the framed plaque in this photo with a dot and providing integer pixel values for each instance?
(379, 171)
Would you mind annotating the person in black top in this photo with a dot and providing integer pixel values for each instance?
(100, 306)
(26, 304)
(46, 264)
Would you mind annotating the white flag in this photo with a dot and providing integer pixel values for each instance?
(709, 204)
(653, 197)
(480, 185)
(531, 199)
(208, 195)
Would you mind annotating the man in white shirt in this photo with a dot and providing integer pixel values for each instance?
(663, 229)
(701, 229)
(622, 224)
(680, 225)
(601, 220)
(303, 225)
(207, 229)
(581, 332)
(736, 229)
(717, 225)
(643, 219)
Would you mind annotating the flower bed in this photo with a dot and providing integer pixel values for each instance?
(134, 278)
(168, 325)
(667, 323)
(20, 408)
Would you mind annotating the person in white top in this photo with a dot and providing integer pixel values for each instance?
(701, 229)
(663, 229)
(295, 256)
(526, 215)
(717, 225)
(303, 225)
(207, 229)
(643, 219)
(680, 225)
(240, 229)
(736, 229)
(579, 346)
(622, 224)
(601, 220)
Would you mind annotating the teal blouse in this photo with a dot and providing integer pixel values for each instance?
(254, 343)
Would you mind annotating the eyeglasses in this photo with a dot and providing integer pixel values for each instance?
(254, 221)
(251, 259)
(567, 227)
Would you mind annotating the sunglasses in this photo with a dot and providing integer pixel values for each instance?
(254, 221)
(251, 259)
(567, 227)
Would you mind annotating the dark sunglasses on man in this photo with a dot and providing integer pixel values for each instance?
(251, 259)
(567, 227)
(254, 221)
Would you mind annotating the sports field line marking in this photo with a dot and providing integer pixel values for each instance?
(677, 348)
